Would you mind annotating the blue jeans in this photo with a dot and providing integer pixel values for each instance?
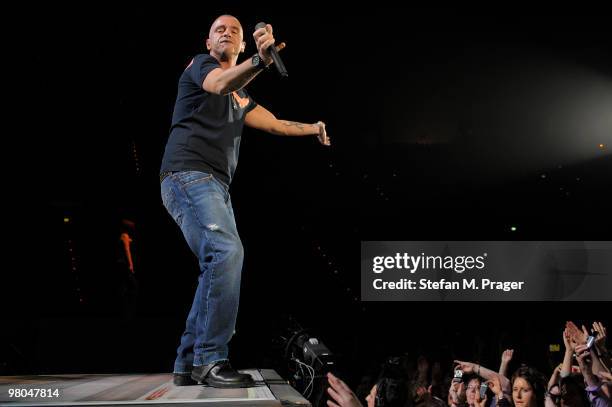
(201, 207)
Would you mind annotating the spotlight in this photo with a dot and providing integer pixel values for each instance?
(308, 360)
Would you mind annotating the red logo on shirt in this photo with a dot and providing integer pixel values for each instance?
(242, 102)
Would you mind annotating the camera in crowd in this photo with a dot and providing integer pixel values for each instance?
(483, 390)
(590, 341)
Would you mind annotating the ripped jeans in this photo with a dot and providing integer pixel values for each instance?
(201, 206)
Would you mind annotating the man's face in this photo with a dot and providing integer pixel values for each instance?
(225, 37)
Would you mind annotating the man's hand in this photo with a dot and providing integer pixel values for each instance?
(567, 341)
(478, 402)
(576, 335)
(420, 391)
(507, 355)
(505, 360)
(466, 367)
(322, 136)
(600, 331)
(456, 392)
(495, 386)
(264, 40)
(343, 396)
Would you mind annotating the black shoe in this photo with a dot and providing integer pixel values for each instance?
(221, 374)
(183, 379)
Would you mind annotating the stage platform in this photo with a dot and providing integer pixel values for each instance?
(143, 389)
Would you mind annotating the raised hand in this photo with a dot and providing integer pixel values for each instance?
(264, 40)
(505, 360)
(600, 334)
(343, 396)
(577, 335)
(507, 355)
(466, 367)
(456, 393)
(495, 386)
(423, 393)
(478, 402)
(567, 341)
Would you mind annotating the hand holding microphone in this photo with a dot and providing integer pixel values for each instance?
(266, 49)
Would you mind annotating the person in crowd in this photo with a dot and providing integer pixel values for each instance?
(528, 387)
(595, 391)
(586, 384)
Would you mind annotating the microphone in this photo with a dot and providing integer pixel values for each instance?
(278, 62)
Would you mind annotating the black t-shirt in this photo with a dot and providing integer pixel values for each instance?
(206, 128)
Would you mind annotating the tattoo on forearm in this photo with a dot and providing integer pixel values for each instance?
(300, 126)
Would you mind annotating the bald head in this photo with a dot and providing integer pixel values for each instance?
(225, 39)
(224, 19)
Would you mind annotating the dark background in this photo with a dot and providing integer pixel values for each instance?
(446, 124)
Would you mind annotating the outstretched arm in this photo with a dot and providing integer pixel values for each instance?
(566, 367)
(487, 374)
(262, 119)
(553, 388)
(583, 355)
(505, 360)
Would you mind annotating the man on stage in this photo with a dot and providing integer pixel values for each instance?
(200, 158)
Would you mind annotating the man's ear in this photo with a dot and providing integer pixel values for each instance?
(208, 46)
(242, 46)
